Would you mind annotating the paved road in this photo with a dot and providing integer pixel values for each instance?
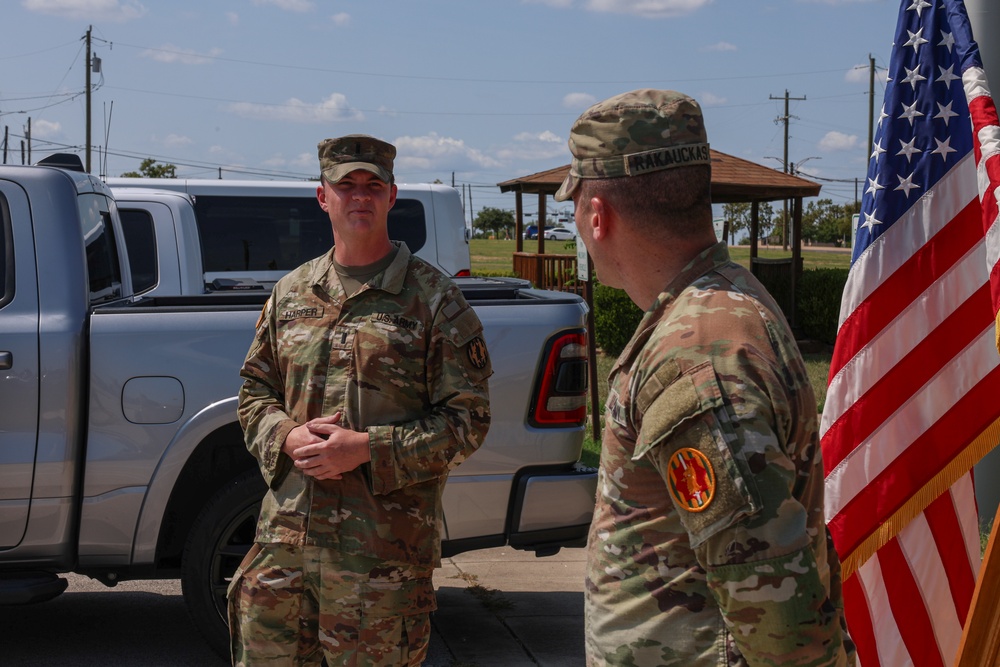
(495, 607)
(137, 623)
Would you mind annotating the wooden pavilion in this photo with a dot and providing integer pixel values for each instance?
(734, 180)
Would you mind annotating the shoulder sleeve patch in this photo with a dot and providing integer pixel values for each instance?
(465, 332)
(691, 479)
(478, 356)
(682, 436)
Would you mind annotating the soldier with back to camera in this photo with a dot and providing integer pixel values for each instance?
(708, 544)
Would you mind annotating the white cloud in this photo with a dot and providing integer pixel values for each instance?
(837, 2)
(306, 161)
(44, 129)
(433, 151)
(89, 10)
(545, 137)
(341, 19)
(288, 5)
(579, 101)
(720, 46)
(838, 141)
(648, 8)
(333, 109)
(545, 145)
(710, 99)
(645, 8)
(172, 54)
(175, 140)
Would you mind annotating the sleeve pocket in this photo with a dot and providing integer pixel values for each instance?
(682, 436)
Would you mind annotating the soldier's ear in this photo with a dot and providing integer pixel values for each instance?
(321, 194)
(600, 217)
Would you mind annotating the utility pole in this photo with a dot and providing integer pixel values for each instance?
(784, 166)
(871, 107)
(93, 64)
(87, 66)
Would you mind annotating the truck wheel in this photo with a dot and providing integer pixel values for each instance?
(219, 539)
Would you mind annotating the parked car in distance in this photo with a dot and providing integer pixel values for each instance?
(559, 234)
(531, 231)
(551, 233)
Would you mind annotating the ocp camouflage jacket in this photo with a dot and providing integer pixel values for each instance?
(404, 360)
(708, 544)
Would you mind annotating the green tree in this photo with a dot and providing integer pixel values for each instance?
(813, 217)
(494, 221)
(150, 169)
(826, 222)
(737, 218)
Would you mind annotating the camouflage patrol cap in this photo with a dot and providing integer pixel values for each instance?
(635, 133)
(340, 156)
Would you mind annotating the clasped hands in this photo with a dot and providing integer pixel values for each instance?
(323, 449)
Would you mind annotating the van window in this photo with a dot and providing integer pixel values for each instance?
(280, 233)
(103, 270)
(140, 243)
(6, 255)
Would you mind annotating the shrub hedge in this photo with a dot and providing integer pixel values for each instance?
(615, 319)
(820, 290)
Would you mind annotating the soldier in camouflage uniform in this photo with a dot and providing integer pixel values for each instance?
(708, 544)
(365, 385)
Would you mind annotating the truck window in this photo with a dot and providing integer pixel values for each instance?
(103, 269)
(280, 233)
(140, 242)
(6, 255)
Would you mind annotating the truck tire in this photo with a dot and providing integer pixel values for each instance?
(219, 539)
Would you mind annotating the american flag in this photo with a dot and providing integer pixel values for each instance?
(914, 394)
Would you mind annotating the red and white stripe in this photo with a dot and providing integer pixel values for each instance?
(914, 386)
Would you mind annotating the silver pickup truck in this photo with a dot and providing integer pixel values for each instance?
(120, 454)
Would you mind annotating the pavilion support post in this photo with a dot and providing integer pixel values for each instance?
(541, 224)
(796, 259)
(754, 227)
(519, 220)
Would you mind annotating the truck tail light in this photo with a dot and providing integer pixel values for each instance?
(463, 273)
(560, 397)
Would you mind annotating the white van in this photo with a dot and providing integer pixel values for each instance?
(260, 230)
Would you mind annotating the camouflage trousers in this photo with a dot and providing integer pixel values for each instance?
(292, 605)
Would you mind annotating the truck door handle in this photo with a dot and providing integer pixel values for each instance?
(6, 360)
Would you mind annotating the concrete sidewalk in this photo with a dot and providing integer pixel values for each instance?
(507, 608)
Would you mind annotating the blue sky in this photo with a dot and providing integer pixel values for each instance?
(477, 92)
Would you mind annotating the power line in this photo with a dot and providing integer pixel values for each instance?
(327, 70)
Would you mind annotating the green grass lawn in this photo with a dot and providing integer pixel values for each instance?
(491, 257)
(494, 257)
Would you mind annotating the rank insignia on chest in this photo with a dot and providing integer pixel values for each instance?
(692, 479)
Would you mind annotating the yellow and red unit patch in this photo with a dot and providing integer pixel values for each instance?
(691, 479)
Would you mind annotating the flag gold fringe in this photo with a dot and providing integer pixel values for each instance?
(920, 500)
